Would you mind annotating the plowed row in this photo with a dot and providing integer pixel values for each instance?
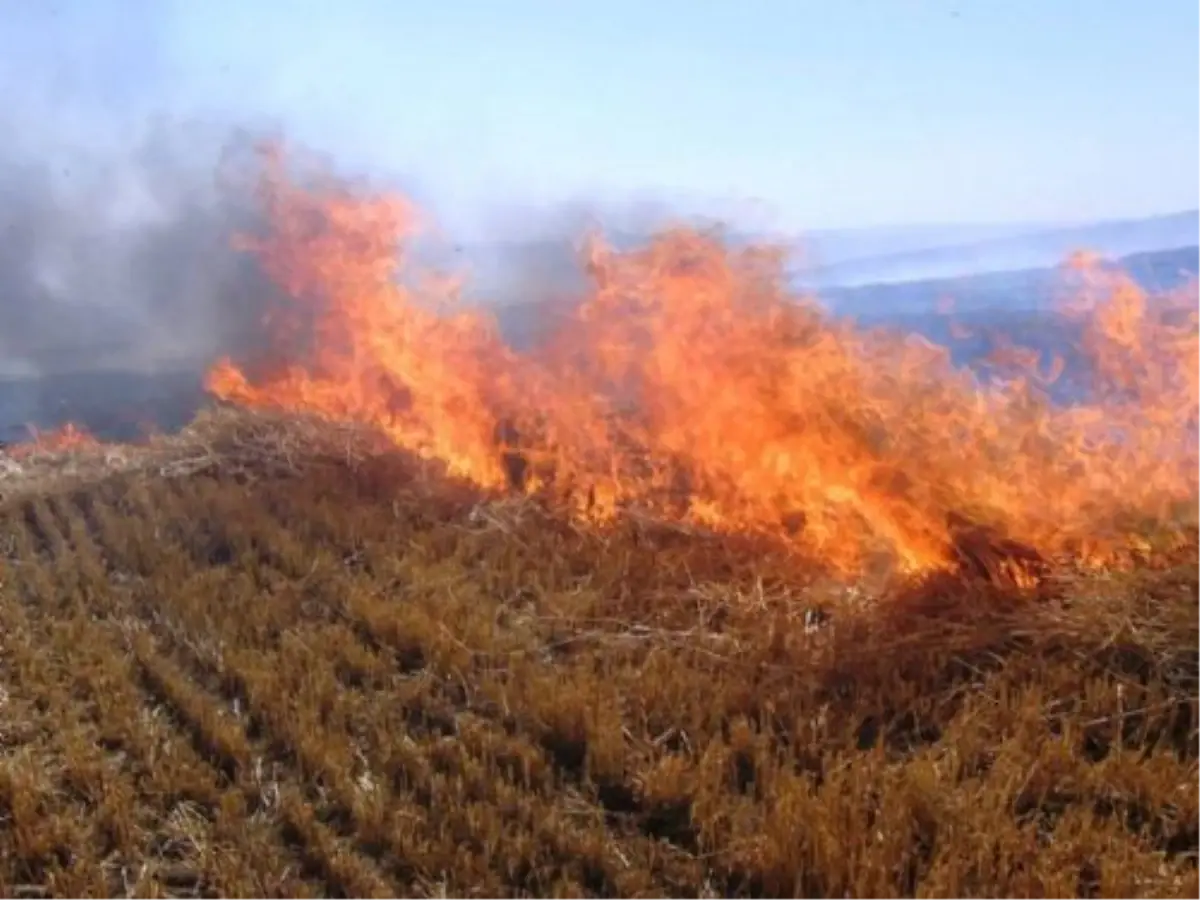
(360, 683)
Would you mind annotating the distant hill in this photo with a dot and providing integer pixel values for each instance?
(998, 292)
(845, 246)
(1008, 252)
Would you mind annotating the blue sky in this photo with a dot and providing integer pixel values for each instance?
(796, 115)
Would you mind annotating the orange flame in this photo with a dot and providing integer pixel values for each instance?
(692, 383)
(57, 440)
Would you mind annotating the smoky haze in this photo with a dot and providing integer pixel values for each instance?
(120, 280)
(120, 198)
(121, 192)
(125, 258)
(126, 261)
(119, 253)
(115, 220)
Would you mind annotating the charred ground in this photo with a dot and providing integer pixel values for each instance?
(254, 663)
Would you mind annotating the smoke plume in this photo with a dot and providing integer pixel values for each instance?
(126, 261)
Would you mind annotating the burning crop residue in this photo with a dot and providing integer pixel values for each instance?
(64, 438)
(691, 383)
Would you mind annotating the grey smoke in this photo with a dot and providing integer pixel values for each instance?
(115, 220)
(126, 260)
(121, 189)
(123, 256)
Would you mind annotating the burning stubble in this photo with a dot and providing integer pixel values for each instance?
(691, 382)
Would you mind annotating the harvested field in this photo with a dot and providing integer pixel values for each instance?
(724, 597)
(257, 660)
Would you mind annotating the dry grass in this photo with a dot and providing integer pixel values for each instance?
(257, 659)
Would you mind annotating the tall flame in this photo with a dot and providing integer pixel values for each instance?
(692, 383)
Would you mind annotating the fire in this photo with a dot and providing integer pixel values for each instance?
(57, 440)
(692, 383)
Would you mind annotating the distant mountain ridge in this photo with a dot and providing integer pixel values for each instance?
(1030, 290)
(840, 246)
(1006, 252)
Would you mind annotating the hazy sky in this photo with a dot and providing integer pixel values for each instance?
(802, 114)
